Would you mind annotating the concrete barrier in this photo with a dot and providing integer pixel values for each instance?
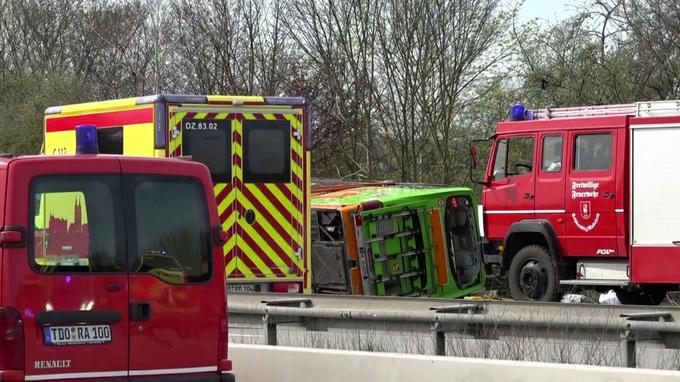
(261, 363)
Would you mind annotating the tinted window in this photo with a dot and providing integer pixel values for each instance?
(266, 151)
(593, 152)
(110, 140)
(209, 142)
(76, 224)
(552, 154)
(171, 228)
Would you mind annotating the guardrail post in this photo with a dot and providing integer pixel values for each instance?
(630, 338)
(629, 345)
(270, 330)
(270, 323)
(438, 339)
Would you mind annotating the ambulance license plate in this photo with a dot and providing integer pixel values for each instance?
(77, 334)
(241, 288)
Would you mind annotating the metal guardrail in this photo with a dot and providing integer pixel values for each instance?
(632, 323)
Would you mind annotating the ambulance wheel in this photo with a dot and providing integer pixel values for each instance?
(533, 275)
(641, 296)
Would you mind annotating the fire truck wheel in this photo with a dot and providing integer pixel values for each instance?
(533, 275)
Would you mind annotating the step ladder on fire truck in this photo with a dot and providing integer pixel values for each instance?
(638, 109)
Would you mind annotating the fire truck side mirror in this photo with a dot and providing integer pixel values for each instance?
(473, 157)
(479, 150)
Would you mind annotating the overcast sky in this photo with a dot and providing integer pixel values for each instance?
(550, 10)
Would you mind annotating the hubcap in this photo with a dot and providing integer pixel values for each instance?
(533, 280)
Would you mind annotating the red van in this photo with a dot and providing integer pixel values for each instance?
(110, 267)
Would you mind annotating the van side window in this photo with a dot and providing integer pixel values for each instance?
(552, 154)
(175, 247)
(593, 152)
(110, 140)
(209, 142)
(266, 151)
(76, 224)
(514, 156)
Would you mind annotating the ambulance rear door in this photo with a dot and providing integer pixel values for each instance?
(255, 156)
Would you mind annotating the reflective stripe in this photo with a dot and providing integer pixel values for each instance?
(101, 374)
(618, 210)
(499, 212)
(185, 370)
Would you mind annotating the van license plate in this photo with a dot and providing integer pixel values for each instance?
(77, 335)
(240, 288)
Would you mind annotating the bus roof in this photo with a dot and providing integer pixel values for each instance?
(388, 195)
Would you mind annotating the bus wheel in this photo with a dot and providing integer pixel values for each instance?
(533, 275)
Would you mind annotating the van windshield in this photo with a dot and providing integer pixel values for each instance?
(80, 224)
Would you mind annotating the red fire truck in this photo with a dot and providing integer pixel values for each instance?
(584, 197)
(126, 284)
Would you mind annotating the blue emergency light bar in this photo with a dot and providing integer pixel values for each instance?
(519, 113)
(86, 139)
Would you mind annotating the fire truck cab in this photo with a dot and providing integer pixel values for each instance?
(97, 280)
(585, 196)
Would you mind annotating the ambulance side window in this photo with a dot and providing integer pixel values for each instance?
(174, 247)
(110, 140)
(266, 151)
(593, 152)
(76, 225)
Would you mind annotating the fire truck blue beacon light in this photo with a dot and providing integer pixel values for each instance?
(519, 113)
(86, 139)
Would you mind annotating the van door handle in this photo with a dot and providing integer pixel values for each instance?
(528, 196)
(140, 311)
(608, 195)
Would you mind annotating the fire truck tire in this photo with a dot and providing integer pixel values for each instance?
(533, 275)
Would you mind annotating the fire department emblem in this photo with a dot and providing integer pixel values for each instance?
(585, 209)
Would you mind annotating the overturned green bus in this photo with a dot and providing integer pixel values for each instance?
(395, 240)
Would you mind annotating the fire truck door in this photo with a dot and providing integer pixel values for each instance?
(510, 196)
(550, 180)
(591, 194)
(270, 193)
